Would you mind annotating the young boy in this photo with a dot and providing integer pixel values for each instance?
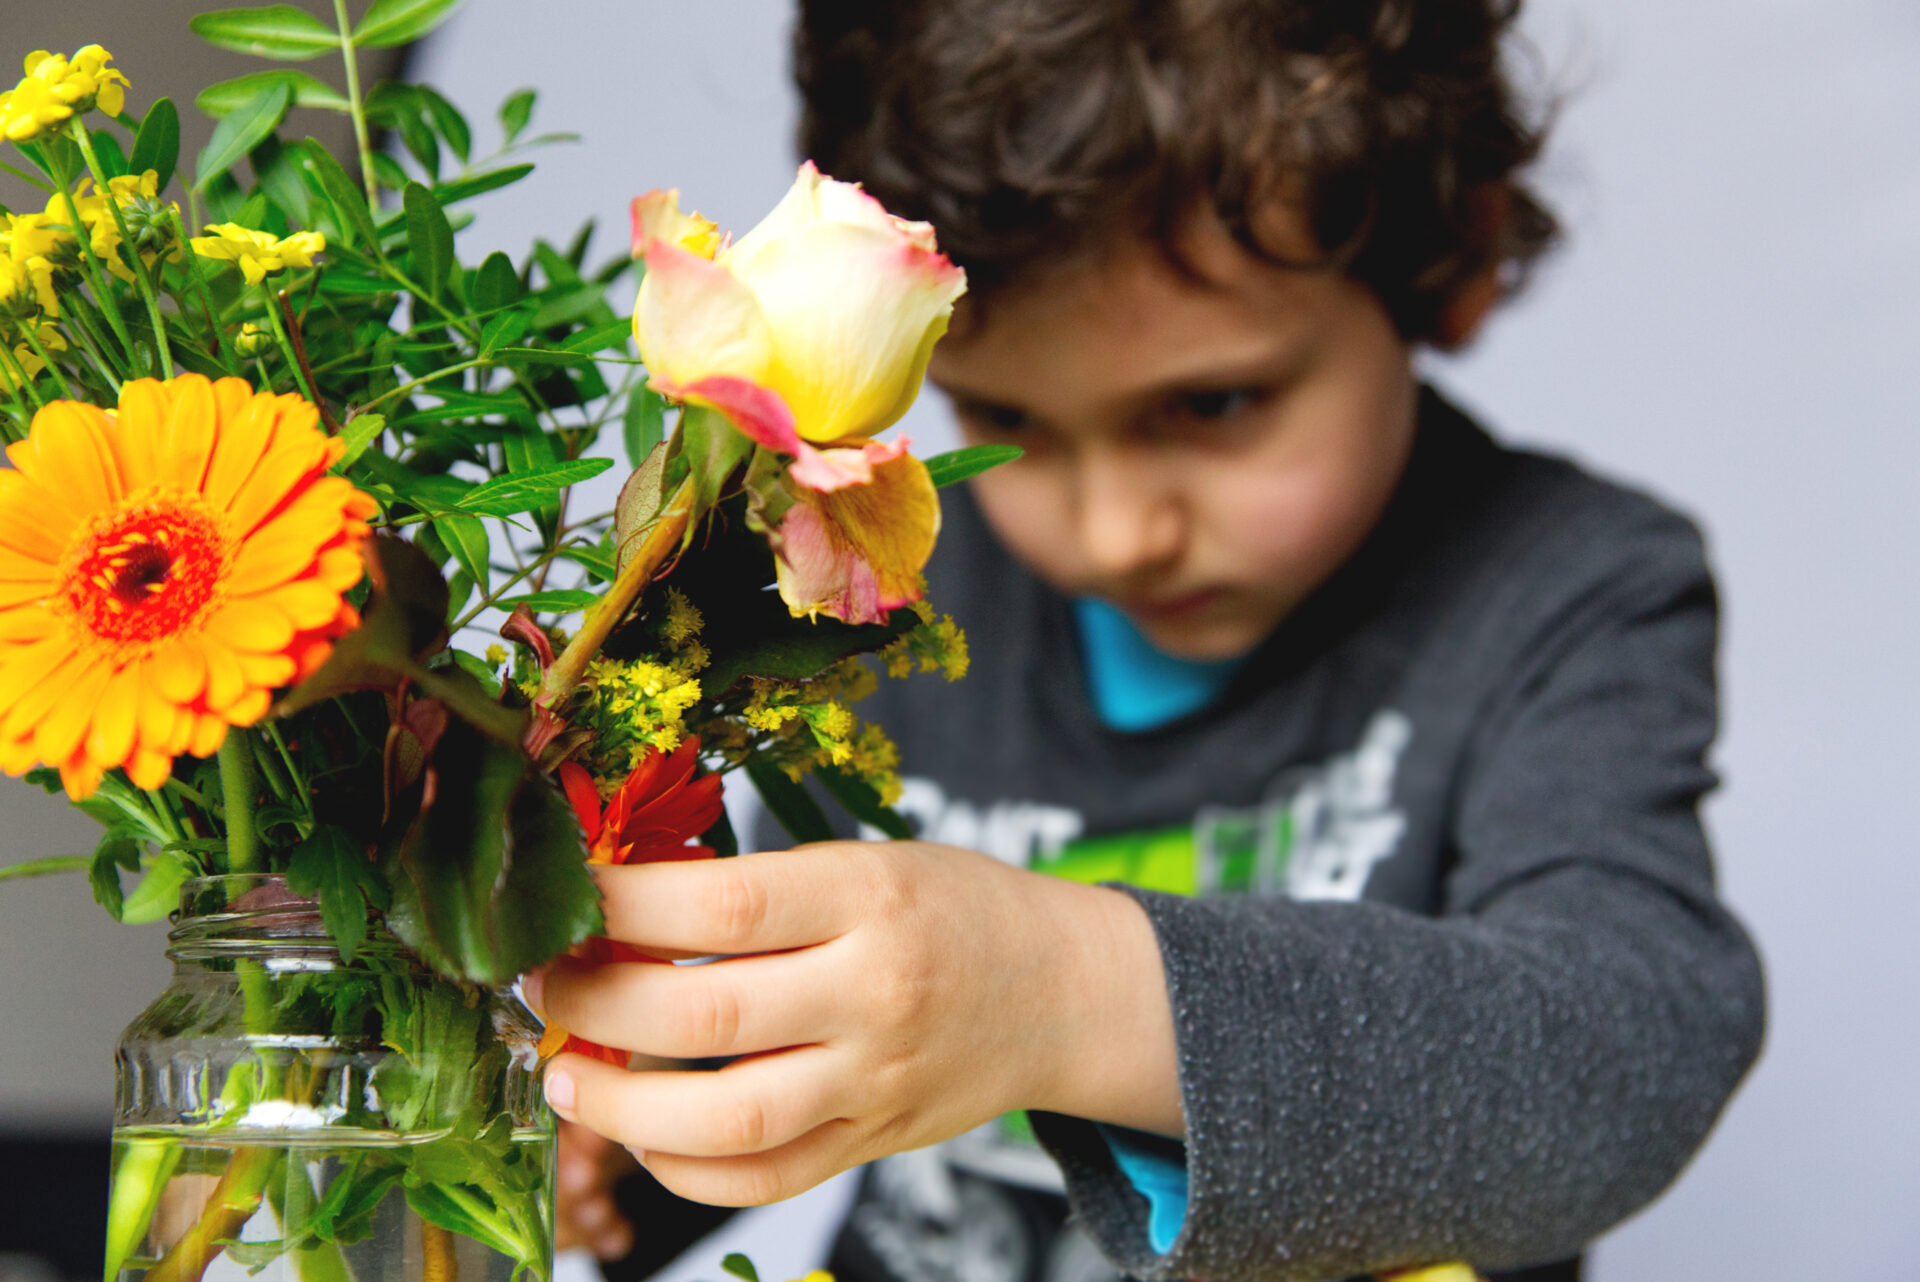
(1367, 752)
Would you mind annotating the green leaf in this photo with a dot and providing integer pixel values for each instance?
(157, 145)
(451, 124)
(503, 330)
(553, 601)
(430, 238)
(396, 22)
(117, 850)
(346, 196)
(789, 802)
(358, 432)
(496, 284)
(863, 802)
(645, 424)
(346, 1209)
(333, 868)
(597, 560)
(480, 670)
(278, 169)
(458, 189)
(231, 95)
(275, 31)
(516, 111)
(713, 450)
(492, 877)
(240, 131)
(158, 892)
(106, 148)
(388, 171)
(615, 335)
(957, 465)
(522, 492)
(741, 1267)
(435, 1205)
(466, 538)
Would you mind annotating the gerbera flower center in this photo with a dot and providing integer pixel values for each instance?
(149, 569)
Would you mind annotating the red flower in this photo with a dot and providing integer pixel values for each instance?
(653, 816)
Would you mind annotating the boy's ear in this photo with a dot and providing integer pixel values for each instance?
(1490, 209)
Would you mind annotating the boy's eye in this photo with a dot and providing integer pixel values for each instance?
(992, 417)
(1216, 405)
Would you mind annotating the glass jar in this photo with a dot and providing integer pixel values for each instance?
(286, 1114)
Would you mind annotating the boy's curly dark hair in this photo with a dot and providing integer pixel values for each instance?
(1019, 127)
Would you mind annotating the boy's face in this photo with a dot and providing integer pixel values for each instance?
(1201, 451)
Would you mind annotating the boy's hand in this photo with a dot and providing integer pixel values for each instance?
(880, 997)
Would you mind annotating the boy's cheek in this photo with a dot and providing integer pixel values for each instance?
(1028, 511)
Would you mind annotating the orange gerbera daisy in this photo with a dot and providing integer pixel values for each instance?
(163, 569)
(652, 817)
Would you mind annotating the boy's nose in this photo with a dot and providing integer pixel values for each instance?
(1131, 523)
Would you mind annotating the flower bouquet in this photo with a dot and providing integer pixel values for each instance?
(297, 600)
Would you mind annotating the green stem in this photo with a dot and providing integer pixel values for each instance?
(18, 376)
(356, 107)
(46, 867)
(190, 793)
(26, 177)
(668, 529)
(407, 388)
(127, 249)
(31, 334)
(81, 314)
(232, 1203)
(96, 275)
(286, 344)
(214, 327)
(237, 787)
(101, 366)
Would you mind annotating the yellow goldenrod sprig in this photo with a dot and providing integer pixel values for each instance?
(936, 645)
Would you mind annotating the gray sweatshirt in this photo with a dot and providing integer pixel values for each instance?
(1448, 973)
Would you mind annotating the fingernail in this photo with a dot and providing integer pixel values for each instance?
(532, 985)
(560, 1090)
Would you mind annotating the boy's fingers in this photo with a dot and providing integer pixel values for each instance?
(727, 1008)
(753, 904)
(749, 1106)
(775, 1176)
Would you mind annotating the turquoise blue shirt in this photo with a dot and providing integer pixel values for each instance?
(1136, 687)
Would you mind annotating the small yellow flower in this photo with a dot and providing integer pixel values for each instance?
(28, 244)
(258, 252)
(29, 360)
(57, 88)
(496, 655)
(137, 196)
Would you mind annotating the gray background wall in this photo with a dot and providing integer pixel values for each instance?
(1734, 325)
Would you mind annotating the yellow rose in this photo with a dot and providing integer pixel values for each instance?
(813, 327)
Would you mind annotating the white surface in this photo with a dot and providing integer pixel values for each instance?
(1733, 325)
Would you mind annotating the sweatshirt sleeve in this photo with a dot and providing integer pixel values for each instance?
(1367, 1088)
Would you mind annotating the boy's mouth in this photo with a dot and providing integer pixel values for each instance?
(1165, 609)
